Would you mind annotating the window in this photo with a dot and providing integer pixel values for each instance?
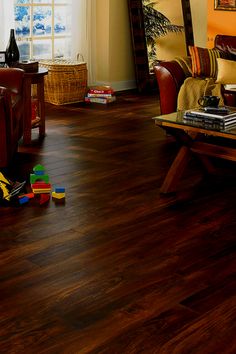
(43, 28)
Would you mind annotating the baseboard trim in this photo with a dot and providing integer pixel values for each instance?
(120, 85)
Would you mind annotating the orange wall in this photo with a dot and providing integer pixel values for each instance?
(219, 22)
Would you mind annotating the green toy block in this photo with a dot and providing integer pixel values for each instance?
(38, 168)
(34, 178)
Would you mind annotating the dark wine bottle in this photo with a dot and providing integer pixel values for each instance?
(12, 51)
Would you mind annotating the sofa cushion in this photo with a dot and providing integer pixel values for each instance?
(186, 65)
(204, 63)
(226, 71)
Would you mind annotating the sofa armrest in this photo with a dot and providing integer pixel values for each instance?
(170, 76)
(12, 79)
(11, 112)
(5, 125)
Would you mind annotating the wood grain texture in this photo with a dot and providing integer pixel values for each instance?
(118, 268)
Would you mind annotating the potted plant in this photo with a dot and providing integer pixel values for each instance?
(156, 25)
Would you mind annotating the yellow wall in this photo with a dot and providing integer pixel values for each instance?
(102, 40)
(121, 56)
(219, 22)
(199, 20)
(173, 44)
(115, 63)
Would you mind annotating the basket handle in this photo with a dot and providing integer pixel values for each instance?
(79, 57)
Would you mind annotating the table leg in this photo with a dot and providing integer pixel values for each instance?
(176, 170)
(40, 93)
(27, 112)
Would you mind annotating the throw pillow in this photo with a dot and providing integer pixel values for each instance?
(226, 71)
(185, 63)
(204, 62)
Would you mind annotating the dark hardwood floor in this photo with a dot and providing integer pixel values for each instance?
(118, 268)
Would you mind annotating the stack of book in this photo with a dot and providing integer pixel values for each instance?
(212, 118)
(230, 87)
(100, 94)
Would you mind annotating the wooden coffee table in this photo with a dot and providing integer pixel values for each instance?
(195, 140)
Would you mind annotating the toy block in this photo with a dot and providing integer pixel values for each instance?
(40, 185)
(39, 173)
(41, 191)
(28, 195)
(34, 178)
(59, 190)
(38, 168)
(58, 195)
(23, 200)
(44, 198)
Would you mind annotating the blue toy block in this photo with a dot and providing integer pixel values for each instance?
(38, 168)
(59, 190)
(23, 200)
(39, 173)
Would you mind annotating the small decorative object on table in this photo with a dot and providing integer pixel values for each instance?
(12, 51)
(2, 59)
(209, 101)
(28, 66)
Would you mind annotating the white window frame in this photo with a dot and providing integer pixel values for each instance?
(31, 38)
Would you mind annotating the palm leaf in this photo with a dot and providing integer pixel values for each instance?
(156, 25)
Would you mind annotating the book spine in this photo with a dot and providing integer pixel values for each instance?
(100, 99)
(202, 115)
(230, 87)
(204, 123)
(99, 94)
(228, 118)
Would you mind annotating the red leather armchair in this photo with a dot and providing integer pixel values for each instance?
(11, 112)
(170, 77)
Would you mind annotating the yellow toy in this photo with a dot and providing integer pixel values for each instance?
(4, 187)
(58, 195)
(9, 189)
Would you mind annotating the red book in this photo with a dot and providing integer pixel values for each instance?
(101, 89)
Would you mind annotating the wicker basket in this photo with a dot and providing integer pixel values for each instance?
(66, 81)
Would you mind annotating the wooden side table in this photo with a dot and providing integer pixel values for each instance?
(30, 79)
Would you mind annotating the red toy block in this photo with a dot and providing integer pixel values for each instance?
(44, 198)
(40, 185)
(28, 195)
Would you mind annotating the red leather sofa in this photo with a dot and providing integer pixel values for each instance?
(170, 77)
(11, 112)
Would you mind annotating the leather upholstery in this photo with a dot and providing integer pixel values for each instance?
(170, 77)
(11, 112)
(226, 43)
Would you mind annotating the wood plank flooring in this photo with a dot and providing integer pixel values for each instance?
(119, 268)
